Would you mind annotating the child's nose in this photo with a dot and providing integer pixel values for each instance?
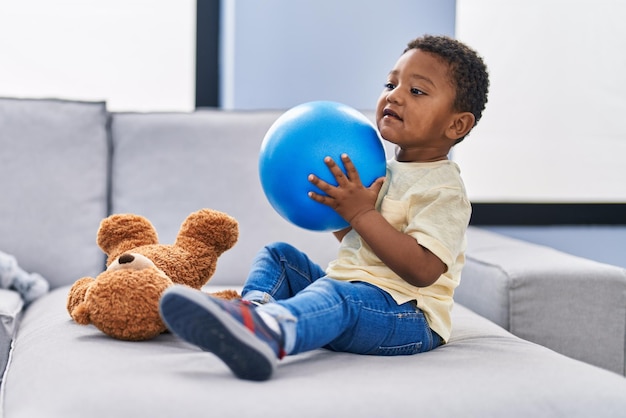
(394, 96)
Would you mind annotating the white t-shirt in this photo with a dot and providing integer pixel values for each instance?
(428, 202)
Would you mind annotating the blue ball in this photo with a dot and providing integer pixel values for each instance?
(295, 146)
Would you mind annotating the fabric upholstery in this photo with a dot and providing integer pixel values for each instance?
(484, 372)
(570, 304)
(53, 177)
(54, 162)
(168, 165)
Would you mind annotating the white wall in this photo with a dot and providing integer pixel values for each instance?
(280, 53)
(554, 129)
(135, 54)
(139, 55)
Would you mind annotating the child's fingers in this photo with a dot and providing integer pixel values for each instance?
(351, 170)
(325, 187)
(319, 183)
(318, 197)
(377, 184)
(336, 171)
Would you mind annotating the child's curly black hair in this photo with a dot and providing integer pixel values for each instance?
(468, 72)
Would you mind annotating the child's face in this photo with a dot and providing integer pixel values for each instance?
(415, 110)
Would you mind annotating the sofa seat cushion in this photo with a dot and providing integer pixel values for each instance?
(61, 369)
(54, 157)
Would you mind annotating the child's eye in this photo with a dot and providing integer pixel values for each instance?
(416, 91)
(390, 86)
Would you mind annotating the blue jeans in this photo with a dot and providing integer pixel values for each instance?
(317, 311)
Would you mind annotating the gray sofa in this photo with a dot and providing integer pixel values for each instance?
(536, 332)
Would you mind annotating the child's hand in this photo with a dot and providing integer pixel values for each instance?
(350, 198)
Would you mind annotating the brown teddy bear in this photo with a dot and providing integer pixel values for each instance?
(123, 301)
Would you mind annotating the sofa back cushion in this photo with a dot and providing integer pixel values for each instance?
(167, 165)
(53, 177)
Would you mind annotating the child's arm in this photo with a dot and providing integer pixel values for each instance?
(356, 204)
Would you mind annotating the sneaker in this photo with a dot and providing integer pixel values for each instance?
(231, 330)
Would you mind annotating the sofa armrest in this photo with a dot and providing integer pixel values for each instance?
(570, 304)
(11, 305)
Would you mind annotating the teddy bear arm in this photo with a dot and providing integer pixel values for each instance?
(228, 294)
(77, 292)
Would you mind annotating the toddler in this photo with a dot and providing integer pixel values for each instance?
(390, 289)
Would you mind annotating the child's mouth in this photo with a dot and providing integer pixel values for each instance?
(391, 113)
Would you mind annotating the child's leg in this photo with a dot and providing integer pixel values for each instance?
(352, 317)
(230, 329)
(279, 271)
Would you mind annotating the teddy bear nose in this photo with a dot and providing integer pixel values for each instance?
(126, 258)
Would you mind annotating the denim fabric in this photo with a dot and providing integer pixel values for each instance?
(317, 311)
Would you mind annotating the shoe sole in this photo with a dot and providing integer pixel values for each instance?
(195, 318)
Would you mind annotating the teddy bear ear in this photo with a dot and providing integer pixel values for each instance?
(122, 232)
(212, 228)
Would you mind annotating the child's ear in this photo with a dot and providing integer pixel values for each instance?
(461, 125)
